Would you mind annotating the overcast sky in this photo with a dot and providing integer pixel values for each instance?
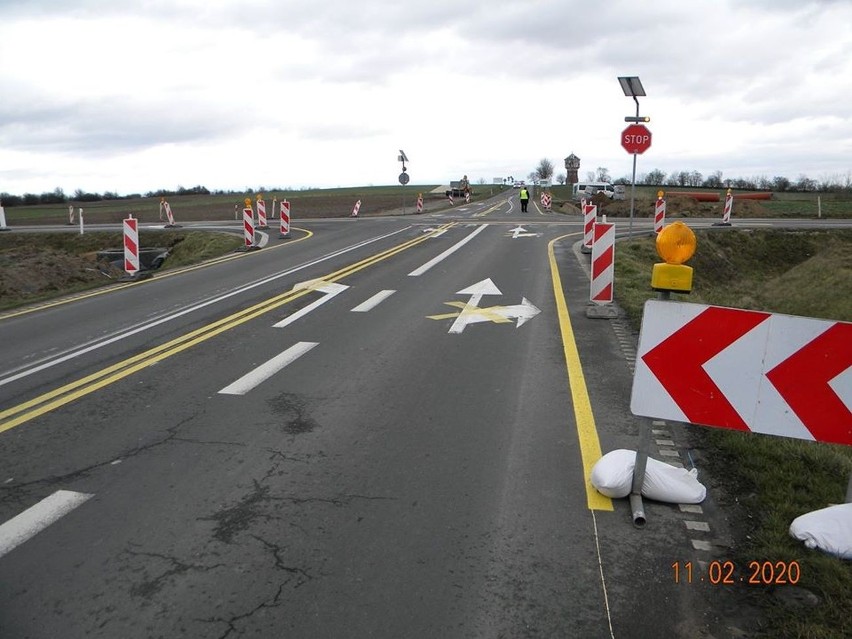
(114, 95)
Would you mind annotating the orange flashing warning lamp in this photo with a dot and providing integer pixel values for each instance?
(675, 244)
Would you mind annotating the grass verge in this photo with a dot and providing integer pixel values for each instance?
(766, 482)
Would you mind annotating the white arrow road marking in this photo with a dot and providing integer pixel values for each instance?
(455, 247)
(36, 518)
(524, 311)
(329, 288)
(468, 313)
(520, 231)
(266, 370)
(435, 232)
(370, 304)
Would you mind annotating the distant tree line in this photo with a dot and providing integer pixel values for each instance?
(695, 179)
(58, 196)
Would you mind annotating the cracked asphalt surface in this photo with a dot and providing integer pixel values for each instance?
(396, 481)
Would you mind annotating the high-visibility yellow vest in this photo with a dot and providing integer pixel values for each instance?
(524, 195)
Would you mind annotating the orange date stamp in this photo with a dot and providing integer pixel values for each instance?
(753, 573)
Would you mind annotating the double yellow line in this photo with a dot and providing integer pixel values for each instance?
(17, 415)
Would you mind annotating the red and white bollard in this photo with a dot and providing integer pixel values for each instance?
(590, 213)
(356, 209)
(169, 215)
(467, 197)
(729, 204)
(450, 198)
(131, 245)
(603, 263)
(285, 220)
(419, 202)
(659, 213)
(261, 213)
(248, 224)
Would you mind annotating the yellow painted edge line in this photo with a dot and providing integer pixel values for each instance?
(65, 394)
(160, 276)
(590, 446)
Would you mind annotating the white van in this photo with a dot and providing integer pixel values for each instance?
(588, 189)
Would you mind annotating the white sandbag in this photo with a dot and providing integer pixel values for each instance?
(672, 485)
(612, 476)
(829, 529)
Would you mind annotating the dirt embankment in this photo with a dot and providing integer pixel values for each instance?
(676, 207)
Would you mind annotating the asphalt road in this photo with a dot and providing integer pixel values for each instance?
(324, 438)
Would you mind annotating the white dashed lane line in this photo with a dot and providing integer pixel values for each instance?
(36, 518)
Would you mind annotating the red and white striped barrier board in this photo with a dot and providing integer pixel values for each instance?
(729, 204)
(71, 214)
(169, 215)
(248, 224)
(356, 209)
(131, 245)
(745, 370)
(419, 202)
(284, 214)
(659, 214)
(467, 197)
(450, 198)
(261, 213)
(546, 200)
(603, 263)
(590, 212)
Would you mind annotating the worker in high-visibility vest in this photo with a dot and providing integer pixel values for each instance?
(525, 198)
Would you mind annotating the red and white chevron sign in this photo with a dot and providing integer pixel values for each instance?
(745, 370)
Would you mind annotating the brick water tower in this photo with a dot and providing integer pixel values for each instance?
(572, 166)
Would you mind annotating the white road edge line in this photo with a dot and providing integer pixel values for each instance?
(455, 247)
(373, 302)
(38, 517)
(263, 372)
(65, 356)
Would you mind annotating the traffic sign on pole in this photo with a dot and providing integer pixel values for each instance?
(636, 138)
(745, 370)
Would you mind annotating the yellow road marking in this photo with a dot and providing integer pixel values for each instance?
(17, 415)
(590, 447)
(489, 210)
(160, 276)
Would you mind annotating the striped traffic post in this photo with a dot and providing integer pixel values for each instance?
(546, 201)
(356, 209)
(261, 213)
(590, 212)
(169, 215)
(450, 198)
(131, 245)
(659, 213)
(467, 197)
(248, 223)
(603, 272)
(274, 202)
(419, 202)
(71, 214)
(285, 220)
(729, 204)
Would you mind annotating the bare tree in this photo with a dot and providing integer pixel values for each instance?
(544, 170)
(602, 174)
(560, 179)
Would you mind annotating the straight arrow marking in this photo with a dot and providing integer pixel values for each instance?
(822, 411)
(476, 291)
(677, 362)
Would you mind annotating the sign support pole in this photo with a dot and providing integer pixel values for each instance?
(633, 183)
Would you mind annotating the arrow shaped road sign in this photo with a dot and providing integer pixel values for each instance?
(520, 231)
(470, 312)
(745, 370)
(330, 289)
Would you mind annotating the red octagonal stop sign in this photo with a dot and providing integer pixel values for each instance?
(636, 138)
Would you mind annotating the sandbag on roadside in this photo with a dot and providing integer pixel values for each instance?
(612, 476)
(829, 529)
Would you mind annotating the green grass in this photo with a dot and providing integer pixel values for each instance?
(769, 481)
